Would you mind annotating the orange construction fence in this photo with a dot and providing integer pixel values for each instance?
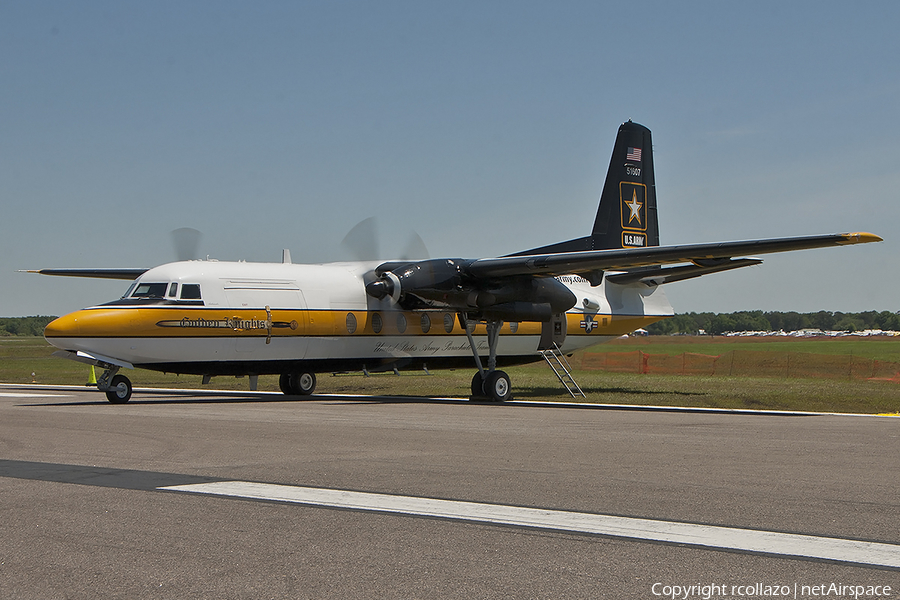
(745, 363)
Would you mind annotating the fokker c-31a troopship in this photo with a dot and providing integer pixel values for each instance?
(296, 320)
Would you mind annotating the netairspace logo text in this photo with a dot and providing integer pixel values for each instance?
(822, 590)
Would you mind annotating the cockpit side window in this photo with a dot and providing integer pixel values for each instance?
(149, 290)
(173, 290)
(190, 291)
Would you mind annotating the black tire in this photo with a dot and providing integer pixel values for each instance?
(477, 385)
(303, 383)
(497, 386)
(284, 383)
(119, 390)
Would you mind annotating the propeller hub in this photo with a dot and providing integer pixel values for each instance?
(380, 288)
(388, 285)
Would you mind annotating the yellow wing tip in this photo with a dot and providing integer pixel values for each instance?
(860, 237)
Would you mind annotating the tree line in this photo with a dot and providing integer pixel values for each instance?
(757, 320)
(23, 325)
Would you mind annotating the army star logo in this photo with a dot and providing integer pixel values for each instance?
(635, 207)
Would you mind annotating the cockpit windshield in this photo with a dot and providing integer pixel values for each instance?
(145, 293)
(150, 290)
(141, 292)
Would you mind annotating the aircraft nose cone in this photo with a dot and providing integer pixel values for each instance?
(65, 326)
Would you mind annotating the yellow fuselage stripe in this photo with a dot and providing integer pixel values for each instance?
(205, 322)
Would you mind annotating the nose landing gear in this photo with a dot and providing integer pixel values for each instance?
(117, 387)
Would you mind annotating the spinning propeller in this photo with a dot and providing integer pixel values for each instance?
(186, 240)
(363, 243)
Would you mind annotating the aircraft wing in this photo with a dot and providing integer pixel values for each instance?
(710, 257)
(127, 274)
(523, 288)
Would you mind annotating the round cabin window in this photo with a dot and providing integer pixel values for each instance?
(377, 323)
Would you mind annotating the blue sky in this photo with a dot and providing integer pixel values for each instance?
(486, 127)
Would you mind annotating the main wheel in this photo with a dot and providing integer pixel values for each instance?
(284, 383)
(119, 390)
(303, 384)
(477, 385)
(497, 386)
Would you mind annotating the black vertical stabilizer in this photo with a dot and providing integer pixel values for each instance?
(626, 217)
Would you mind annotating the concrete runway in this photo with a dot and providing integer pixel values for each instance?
(83, 515)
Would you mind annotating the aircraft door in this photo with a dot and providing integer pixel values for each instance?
(552, 331)
(286, 339)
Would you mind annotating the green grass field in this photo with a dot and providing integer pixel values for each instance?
(22, 356)
(878, 348)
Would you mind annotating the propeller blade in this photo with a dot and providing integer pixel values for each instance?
(186, 241)
(361, 242)
(415, 248)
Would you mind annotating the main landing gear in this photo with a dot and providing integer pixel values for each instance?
(117, 387)
(488, 384)
(301, 383)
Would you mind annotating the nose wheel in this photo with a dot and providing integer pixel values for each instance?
(117, 387)
(118, 390)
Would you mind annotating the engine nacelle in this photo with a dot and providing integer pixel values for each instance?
(520, 311)
(434, 280)
(446, 283)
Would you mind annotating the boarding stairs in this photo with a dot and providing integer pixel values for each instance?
(557, 361)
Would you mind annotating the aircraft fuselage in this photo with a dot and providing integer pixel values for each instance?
(238, 318)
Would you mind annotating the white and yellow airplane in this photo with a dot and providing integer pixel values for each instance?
(296, 320)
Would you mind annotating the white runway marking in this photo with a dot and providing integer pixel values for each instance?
(729, 538)
(24, 395)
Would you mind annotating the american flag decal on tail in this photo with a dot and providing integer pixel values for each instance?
(633, 154)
